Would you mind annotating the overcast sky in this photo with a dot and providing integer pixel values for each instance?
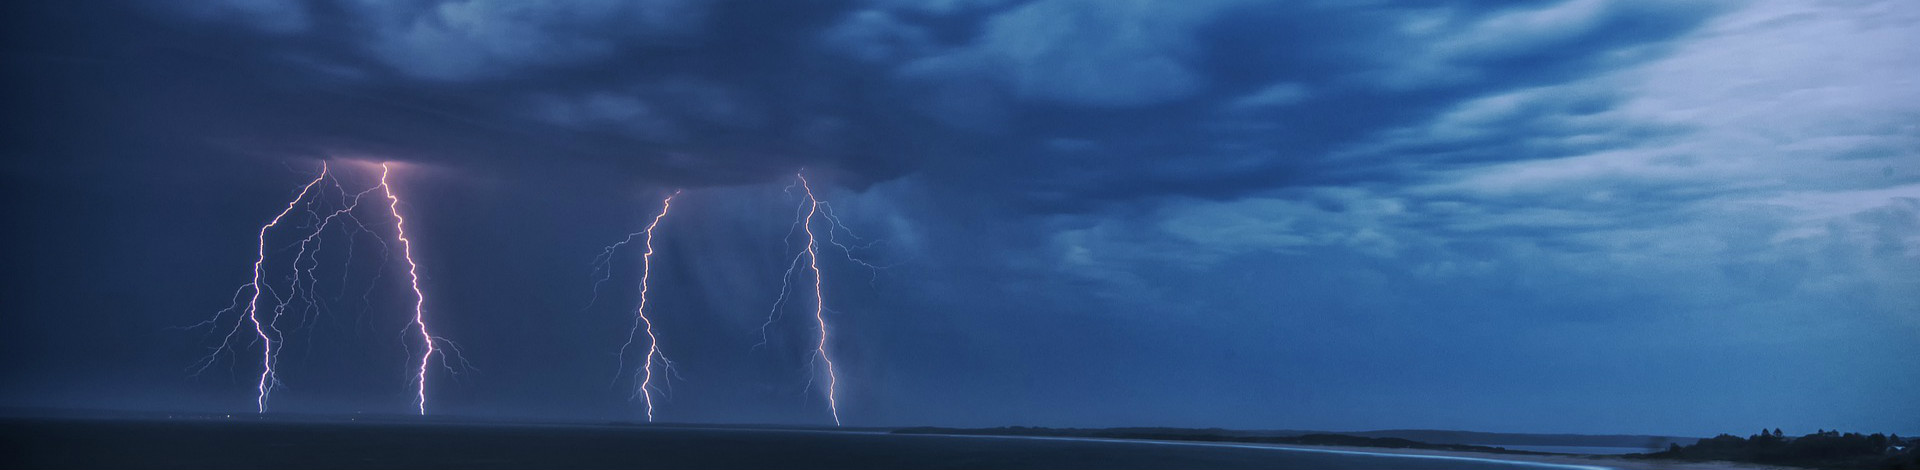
(1588, 216)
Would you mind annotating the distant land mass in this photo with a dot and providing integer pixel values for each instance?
(1436, 436)
(1396, 438)
(77, 433)
(1821, 450)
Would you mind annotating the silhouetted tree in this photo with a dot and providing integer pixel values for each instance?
(1822, 449)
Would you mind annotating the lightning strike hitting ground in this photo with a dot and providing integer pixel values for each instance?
(268, 350)
(643, 387)
(803, 220)
(820, 302)
(303, 283)
(413, 281)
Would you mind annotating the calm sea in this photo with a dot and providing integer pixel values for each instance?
(1575, 449)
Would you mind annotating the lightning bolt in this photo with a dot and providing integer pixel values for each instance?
(793, 266)
(251, 314)
(413, 281)
(304, 283)
(835, 227)
(803, 220)
(819, 301)
(311, 309)
(644, 387)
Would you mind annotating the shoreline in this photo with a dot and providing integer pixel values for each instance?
(1575, 461)
(1614, 462)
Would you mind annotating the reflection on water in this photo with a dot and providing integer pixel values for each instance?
(1573, 449)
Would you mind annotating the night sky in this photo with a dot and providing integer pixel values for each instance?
(1584, 216)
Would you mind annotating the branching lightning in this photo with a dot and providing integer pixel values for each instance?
(793, 266)
(804, 216)
(320, 216)
(833, 230)
(269, 348)
(310, 312)
(820, 302)
(419, 298)
(643, 387)
(303, 283)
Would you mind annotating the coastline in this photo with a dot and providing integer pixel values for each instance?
(1560, 459)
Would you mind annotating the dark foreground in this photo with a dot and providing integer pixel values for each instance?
(215, 444)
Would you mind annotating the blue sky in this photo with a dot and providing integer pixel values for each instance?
(1570, 216)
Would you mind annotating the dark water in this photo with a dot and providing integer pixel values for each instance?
(224, 444)
(1588, 450)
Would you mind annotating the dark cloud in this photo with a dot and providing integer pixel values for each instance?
(632, 86)
(1209, 98)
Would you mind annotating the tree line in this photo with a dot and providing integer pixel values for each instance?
(1822, 449)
